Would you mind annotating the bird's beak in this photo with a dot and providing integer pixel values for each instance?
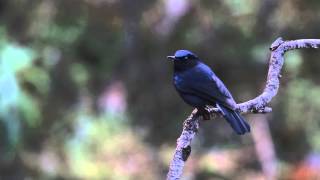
(172, 58)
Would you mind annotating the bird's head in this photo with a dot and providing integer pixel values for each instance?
(183, 56)
(183, 60)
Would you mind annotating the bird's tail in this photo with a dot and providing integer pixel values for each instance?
(236, 121)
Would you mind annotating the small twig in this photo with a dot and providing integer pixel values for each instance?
(256, 105)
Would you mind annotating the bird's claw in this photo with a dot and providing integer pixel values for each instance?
(204, 112)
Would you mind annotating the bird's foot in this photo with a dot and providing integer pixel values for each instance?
(204, 113)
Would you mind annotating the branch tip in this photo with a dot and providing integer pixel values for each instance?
(276, 44)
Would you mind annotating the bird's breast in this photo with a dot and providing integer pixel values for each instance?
(193, 100)
(180, 82)
(177, 79)
(183, 84)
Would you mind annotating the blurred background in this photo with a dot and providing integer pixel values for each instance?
(86, 90)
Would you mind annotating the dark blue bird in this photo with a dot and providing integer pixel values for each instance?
(199, 86)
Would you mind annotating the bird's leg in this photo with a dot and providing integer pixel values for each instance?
(204, 113)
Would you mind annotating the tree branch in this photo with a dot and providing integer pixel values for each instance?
(256, 105)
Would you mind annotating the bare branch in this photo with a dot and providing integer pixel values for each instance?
(256, 105)
(190, 128)
(278, 48)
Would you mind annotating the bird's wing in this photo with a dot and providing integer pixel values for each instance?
(214, 89)
(205, 84)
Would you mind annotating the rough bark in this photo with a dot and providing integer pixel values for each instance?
(256, 105)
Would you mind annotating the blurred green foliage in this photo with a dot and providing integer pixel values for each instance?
(86, 92)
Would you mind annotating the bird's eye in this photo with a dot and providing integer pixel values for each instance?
(186, 57)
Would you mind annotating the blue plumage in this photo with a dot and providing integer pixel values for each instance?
(198, 86)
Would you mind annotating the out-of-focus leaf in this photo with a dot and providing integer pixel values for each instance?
(61, 35)
(29, 109)
(9, 90)
(79, 74)
(259, 53)
(293, 61)
(38, 77)
(15, 57)
(241, 7)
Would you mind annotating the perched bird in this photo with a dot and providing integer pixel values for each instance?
(198, 86)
